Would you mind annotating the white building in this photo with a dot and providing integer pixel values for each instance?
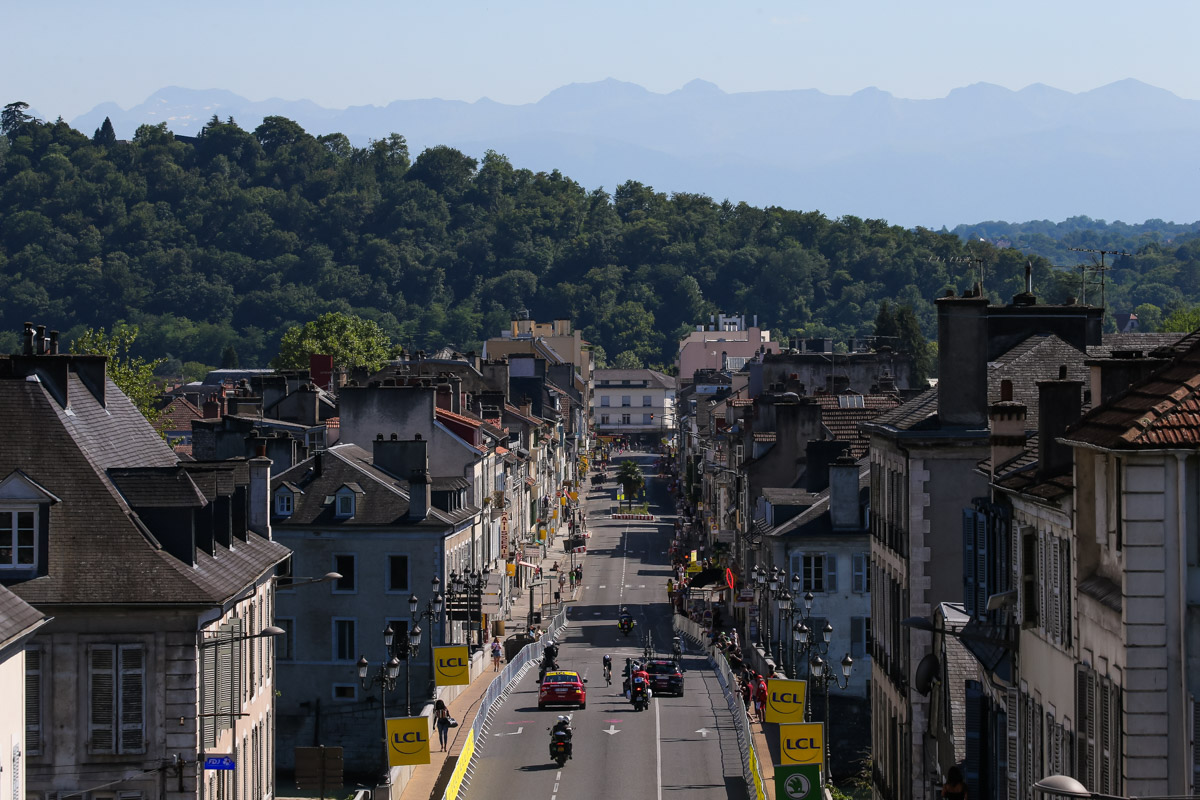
(18, 621)
(633, 403)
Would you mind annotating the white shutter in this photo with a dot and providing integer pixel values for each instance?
(33, 701)
(1105, 732)
(1014, 743)
(1055, 632)
(1043, 582)
(101, 698)
(133, 698)
(208, 690)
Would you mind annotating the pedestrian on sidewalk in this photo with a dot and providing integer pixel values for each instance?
(496, 654)
(579, 575)
(441, 716)
(572, 574)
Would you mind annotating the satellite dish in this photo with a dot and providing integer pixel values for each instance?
(927, 670)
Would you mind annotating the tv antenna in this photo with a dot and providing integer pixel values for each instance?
(1094, 268)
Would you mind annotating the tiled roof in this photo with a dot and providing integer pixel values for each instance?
(920, 412)
(178, 415)
(16, 617)
(654, 377)
(843, 425)
(1163, 411)
(764, 436)
(876, 402)
(465, 420)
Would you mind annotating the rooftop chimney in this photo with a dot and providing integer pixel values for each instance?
(419, 495)
(843, 494)
(962, 361)
(1008, 427)
(1059, 405)
(258, 519)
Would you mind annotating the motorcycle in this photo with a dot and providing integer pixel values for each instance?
(548, 664)
(641, 700)
(560, 747)
(626, 625)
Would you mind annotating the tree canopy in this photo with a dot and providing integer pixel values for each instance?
(234, 238)
(133, 375)
(352, 341)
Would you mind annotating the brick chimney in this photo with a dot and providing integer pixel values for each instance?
(962, 361)
(1007, 419)
(258, 517)
(420, 487)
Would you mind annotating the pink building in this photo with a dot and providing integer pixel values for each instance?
(725, 343)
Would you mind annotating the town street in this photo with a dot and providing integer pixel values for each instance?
(680, 744)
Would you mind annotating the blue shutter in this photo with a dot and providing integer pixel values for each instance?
(982, 569)
(968, 544)
(976, 715)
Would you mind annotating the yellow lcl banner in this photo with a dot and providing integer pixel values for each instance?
(408, 741)
(452, 665)
(802, 744)
(785, 700)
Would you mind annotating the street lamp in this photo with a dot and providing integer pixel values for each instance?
(385, 678)
(1063, 786)
(823, 675)
(465, 585)
(432, 612)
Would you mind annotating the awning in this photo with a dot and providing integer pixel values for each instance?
(527, 564)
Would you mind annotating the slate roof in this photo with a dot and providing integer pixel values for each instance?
(656, 379)
(814, 520)
(844, 424)
(877, 402)
(99, 551)
(1162, 411)
(384, 502)
(17, 617)
(157, 487)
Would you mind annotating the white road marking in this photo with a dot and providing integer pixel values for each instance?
(703, 732)
(603, 586)
(611, 730)
(658, 749)
(512, 733)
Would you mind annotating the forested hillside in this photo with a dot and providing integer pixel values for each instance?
(220, 243)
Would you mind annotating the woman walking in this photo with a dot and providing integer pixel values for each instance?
(441, 716)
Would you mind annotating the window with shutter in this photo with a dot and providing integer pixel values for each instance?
(102, 679)
(1014, 743)
(1195, 745)
(858, 637)
(983, 588)
(831, 573)
(970, 577)
(1030, 591)
(208, 697)
(133, 698)
(1082, 774)
(1105, 736)
(975, 714)
(1054, 634)
(33, 701)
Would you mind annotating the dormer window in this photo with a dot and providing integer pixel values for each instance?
(285, 498)
(24, 506)
(346, 499)
(18, 535)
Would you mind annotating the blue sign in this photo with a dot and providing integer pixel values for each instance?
(218, 762)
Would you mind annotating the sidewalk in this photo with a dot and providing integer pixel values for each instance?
(766, 749)
(428, 781)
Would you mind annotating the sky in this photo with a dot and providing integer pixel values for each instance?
(64, 57)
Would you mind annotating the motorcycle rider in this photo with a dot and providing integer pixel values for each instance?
(624, 619)
(549, 660)
(562, 727)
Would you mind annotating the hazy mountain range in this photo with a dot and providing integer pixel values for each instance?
(1124, 151)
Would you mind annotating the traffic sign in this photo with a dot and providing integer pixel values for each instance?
(797, 782)
(218, 762)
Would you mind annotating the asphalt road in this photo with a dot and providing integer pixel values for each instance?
(680, 745)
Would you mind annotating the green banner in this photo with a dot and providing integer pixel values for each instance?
(798, 782)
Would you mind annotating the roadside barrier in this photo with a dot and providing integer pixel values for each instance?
(498, 689)
(751, 771)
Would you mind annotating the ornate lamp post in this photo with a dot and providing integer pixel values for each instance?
(385, 678)
(822, 674)
(432, 612)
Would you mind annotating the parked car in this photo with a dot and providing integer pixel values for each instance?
(562, 688)
(665, 677)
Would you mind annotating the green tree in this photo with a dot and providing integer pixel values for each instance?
(229, 357)
(105, 136)
(630, 476)
(13, 118)
(626, 359)
(351, 340)
(133, 375)
(1150, 317)
(1182, 320)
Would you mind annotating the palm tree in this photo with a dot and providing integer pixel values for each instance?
(630, 476)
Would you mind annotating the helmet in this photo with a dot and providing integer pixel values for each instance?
(563, 718)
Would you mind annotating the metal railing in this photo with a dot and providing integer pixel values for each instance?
(733, 698)
(497, 691)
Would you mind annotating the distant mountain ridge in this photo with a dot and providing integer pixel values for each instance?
(1122, 151)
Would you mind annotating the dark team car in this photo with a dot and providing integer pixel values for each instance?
(665, 677)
